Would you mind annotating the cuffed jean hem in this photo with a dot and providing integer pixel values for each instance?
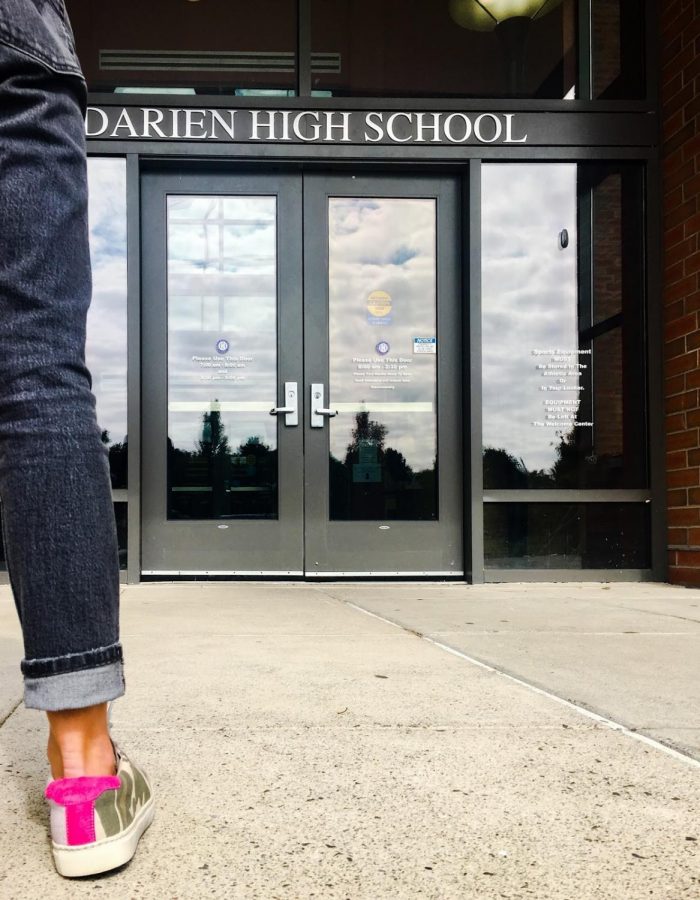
(72, 662)
(75, 690)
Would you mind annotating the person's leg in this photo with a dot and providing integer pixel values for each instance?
(79, 743)
(55, 496)
(54, 483)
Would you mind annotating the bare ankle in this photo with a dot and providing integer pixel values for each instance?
(79, 743)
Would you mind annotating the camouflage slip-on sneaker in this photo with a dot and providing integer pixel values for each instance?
(96, 823)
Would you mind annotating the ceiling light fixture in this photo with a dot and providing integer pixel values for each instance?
(511, 21)
(487, 15)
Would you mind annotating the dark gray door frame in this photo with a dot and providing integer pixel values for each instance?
(257, 547)
(417, 548)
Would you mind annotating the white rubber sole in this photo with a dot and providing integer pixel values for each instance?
(110, 853)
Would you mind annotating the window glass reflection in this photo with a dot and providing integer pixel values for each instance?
(563, 334)
(383, 354)
(530, 311)
(607, 247)
(617, 37)
(567, 536)
(121, 519)
(222, 357)
(209, 47)
(450, 48)
(106, 342)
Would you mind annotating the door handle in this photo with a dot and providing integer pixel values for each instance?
(318, 412)
(291, 408)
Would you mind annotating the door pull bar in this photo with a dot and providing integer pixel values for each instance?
(291, 409)
(318, 412)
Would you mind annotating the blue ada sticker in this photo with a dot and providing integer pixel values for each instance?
(382, 348)
(222, 346)
(425, 345)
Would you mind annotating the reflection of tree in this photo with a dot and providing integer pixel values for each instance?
(376, 482)
(117, 460)
(366, 430)
(396, 466)
(214, 481)
(257, 462)
(503, 470)
(574, 466)
(566, 471)
(214, 442)
(118, 463)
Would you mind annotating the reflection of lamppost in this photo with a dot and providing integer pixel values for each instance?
(510, 20)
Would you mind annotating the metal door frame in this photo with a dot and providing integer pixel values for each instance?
(256, 538)
(446, 532)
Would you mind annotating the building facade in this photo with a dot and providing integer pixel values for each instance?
(680, 105)
(378, 287)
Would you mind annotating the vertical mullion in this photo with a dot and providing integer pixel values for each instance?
(655, 354)
(585, 51)
(304, 48)
(133, 313)
(474, 502)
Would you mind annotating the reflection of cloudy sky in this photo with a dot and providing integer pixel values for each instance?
(383, 245)
(222, 286)
(106, 328)
(529, 300)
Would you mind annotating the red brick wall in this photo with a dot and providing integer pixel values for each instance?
(680, 101)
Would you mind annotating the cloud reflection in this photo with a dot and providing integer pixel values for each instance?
(222, 286)
(385, 245)
(529, 302)
(106, 347)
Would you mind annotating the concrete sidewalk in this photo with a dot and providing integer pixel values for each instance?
(302, 748)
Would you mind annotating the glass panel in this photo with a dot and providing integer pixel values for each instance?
(618, 49)
(391, 48)
(563, 328)
(383, 358)
(607, 248)
(566, 536)
(222, 357)
(191, 48)
(121, 517)
(106, 343)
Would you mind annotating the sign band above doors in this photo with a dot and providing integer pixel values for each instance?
(302, 126)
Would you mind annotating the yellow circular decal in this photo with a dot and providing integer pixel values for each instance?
(379, 303)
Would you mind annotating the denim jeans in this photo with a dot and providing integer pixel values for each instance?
(55, 495)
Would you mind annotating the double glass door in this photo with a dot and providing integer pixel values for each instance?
(301, 376)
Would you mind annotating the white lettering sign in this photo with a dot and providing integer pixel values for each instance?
(302, 126)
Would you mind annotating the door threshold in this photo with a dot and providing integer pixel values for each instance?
(385, 574)
(216, 573)
(154, 574)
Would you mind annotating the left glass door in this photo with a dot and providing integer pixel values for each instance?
(222, 438)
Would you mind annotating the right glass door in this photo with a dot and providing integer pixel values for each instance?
(383, 474)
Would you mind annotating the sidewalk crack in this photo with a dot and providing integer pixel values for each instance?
(11, 712)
